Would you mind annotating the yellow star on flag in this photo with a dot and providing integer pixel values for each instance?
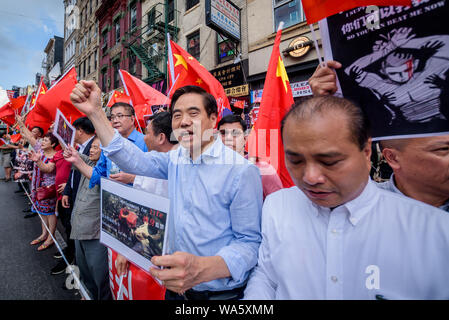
(199, 81)
(280, 72)
(180, 60)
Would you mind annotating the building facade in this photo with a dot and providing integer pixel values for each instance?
(53, 61)
(300, 64)
(71, 29)
(119, 23)
(86, 61)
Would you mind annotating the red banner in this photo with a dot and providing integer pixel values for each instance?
(136, 284)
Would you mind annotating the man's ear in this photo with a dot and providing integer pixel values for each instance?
(161, 138)
(392, 157)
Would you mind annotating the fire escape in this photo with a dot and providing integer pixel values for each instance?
(148, 43)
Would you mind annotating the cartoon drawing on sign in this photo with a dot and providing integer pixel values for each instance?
(407, 74)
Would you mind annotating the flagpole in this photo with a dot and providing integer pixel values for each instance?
(320, 58)
(131, 100)
(171, 63)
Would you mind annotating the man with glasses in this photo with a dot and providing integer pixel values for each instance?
(233, 132)
(122, 118)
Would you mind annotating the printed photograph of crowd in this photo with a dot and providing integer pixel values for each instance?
(139, 228)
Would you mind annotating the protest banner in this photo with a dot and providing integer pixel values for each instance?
(395, 65)
(133, 222)
(63, 130)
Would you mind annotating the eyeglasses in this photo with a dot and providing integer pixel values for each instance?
(233, 132)
(119, 116)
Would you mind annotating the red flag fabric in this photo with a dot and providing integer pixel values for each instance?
(41, 91)
(16, 137)
(142, 96)
(7, 114)
(188, 71)
(137, 284)
(118, 96)
(18, 103)
(265, 141)
(58, 97)
(317, 10)
(34, 119)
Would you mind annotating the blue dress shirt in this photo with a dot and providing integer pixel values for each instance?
(215, 203)
(104, 164)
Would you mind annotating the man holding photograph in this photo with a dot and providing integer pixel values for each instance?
(215, 196)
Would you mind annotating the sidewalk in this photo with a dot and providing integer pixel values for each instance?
(25, 272)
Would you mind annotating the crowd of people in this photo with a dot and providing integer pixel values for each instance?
(234, 231)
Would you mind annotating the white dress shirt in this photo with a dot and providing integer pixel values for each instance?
(380, 245)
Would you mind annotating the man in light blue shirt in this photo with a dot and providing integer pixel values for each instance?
(122, 119)
(215, 196)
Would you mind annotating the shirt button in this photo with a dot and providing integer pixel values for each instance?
(334, 231)
(334, 279)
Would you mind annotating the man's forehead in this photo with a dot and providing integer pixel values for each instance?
(189, 100)
(117, 110)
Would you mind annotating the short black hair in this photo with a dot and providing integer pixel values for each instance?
(161, 123)
(38, 128)
(210, 104)
(125, 105)
(359, 125)
(232, 118)
(85, 124)
(53, 140)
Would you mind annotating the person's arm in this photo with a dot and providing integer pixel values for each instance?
(86, 97)
(72, 156)
(236, 259)
(44, 167)
(26, 134)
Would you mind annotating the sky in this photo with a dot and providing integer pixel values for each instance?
(26, 26)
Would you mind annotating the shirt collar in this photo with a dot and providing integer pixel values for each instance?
(214, 151)
(133, 136)
(83, 145)
(357, 207)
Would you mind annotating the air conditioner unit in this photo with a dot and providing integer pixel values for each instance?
(154, 50)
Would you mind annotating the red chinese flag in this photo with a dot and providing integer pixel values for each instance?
(142, 95)
(7, 114)
(265, 139)
(16, 137)
(58, 97)
(117, 96)
(188, 71)
(18, 103)
(317, 10)
(35, 119)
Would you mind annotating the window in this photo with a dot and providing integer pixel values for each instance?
(95, 60)
(152, 17)
(104, 80)
(105, 42)
(117, 31)
(289, 11)
(132, 63)
(225, 49)
(133, 17)
(171, 10)
(116, 74)
(84, 68)
(193, 44)
(191, 3)
(88, 64)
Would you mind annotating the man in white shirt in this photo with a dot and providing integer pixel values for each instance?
(420, 165)
(336, 235)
